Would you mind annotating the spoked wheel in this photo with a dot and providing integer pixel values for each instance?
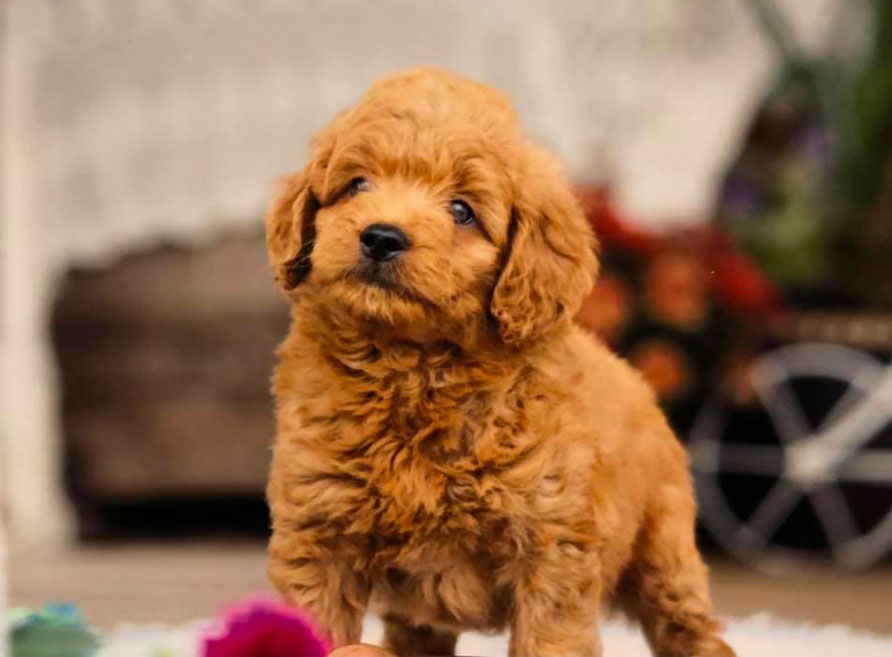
(805, 471)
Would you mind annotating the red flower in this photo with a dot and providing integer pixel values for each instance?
(738, 282)
(261, 628)
(614, 231)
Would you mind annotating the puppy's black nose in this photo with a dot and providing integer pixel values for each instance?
(381, 242)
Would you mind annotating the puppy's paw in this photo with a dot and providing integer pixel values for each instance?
(714, 647)
(361, 650)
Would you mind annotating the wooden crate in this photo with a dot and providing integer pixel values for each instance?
(165, 359)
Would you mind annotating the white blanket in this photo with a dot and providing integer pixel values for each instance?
(758, 636)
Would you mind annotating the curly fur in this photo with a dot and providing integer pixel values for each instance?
(451, 449)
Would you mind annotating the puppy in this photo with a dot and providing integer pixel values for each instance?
(451, 450)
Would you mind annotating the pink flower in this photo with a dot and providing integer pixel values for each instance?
(262, 628)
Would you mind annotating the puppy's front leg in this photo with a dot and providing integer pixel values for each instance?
(667, 583)
(320, 582)
(556, 606)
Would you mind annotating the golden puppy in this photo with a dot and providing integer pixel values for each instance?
(451, 449)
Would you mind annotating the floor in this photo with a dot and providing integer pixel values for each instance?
(175, 582)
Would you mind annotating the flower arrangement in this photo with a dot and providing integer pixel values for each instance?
(257, 627)
(263, 628)
(678, 305)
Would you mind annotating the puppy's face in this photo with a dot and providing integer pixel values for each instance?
(413, 221)
(424, 209)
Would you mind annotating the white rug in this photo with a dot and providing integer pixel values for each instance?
(759, 636)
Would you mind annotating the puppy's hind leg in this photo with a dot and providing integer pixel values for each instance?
(412, 641)
(666, 587)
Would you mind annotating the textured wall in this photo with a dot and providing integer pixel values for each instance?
(154, 116)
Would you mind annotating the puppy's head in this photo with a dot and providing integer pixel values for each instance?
(425, 209)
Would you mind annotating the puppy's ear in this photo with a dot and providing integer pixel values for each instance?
(291, 217)
(291, 230)
(550, 263)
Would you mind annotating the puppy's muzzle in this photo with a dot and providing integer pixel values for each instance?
(382, 242)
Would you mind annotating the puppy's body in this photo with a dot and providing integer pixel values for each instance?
(470, 460)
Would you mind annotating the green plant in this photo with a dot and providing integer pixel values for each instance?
(843, 208)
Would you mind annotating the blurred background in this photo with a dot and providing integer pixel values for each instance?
(735, 157)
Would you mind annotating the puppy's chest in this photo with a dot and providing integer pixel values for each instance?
(433, 480)
(433, 464)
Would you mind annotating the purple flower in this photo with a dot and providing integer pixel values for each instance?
(262, 628)
(740, 197)
(814, 142)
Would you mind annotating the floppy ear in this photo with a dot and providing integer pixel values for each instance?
(550, 261)
(291, 230)
(291, 217)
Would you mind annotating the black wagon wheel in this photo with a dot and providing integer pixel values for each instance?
(805, 472)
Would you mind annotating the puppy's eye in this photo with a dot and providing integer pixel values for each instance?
(461, 212)
(358, 185)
